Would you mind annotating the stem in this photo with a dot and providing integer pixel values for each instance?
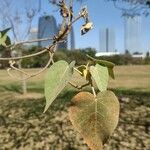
(30, 75)
(77, 71)
(93, 90)
(32, 41)
(79, 87)
(22, 57)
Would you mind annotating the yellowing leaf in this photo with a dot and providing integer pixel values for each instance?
(86, 27)
(95, 118)
(58, 76)
(84, 71)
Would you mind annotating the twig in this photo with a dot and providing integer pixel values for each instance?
(77, 70)
(79, 87)
(17, 69)
(33, 41)
(29, 75)
(22, 57)
(93, 90)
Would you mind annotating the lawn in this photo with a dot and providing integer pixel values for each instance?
(133, 78)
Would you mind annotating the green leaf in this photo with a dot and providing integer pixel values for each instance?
(100, 75)
(58, 75)
(95, 118)
(104, 63)
(111, 73)
(3, 32)
(4, 38)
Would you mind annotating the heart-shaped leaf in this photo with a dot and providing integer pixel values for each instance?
(58, 75)
(95, 118)
(104, 63)
(100, 75)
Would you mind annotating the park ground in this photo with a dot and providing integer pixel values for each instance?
(23, 125)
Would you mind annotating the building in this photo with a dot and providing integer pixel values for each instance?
(107, 40)
(63, 45)
(72, 39)
(106, 54)
(132, 33)
(47, 27)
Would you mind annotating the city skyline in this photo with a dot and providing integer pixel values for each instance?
(99, 15)
(132, 33)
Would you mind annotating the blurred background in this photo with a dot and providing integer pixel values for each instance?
(121, 34)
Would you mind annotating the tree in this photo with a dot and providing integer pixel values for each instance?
(20, 22)
(132, 7)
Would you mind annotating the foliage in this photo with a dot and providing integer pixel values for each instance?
(58, 76)
(100, 75)
(131, 8)
(97, 111)
(80, 57)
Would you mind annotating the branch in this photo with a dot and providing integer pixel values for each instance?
(79, 87)
(25, 73)
(22, 57)
(67, 15)
(33, 41)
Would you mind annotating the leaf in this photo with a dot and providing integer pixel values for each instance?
(3, 32)
(100, 75)
(111, 73)
(84, 71)
(58, 75)
(95, 118)
(4, 38)
(86, 27)
(104, 63)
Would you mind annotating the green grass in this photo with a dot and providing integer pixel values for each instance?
(128, 78)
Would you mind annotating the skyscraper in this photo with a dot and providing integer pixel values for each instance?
(107, 40)
(132, 33)
(47, 27)
(63, 45)
(71, 40)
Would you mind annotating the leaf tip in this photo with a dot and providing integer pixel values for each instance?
(45, 109)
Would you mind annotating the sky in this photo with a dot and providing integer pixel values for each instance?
(102, 14)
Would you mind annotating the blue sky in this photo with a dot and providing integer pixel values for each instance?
(102, 14)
